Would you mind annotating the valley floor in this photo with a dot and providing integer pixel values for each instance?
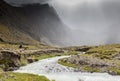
(102, 59)
(12, 57)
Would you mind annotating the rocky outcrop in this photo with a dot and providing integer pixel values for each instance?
(51, 51)
(58, 52)
(91, 61)
(86, 63)
(9, 60)
(78, 48)
(83, 48)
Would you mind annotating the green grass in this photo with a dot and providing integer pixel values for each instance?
(115, 70)
(23, 61)
(12, 35)
(90, 69)
(40, 57)
(67, 64)
(21, 77)
(104, 52)
(16, 46)
(44, 56)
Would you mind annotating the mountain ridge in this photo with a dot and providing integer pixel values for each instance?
(38, 21)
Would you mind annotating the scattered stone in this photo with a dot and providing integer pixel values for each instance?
(112, 73)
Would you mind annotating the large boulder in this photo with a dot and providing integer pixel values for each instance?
(9, 60)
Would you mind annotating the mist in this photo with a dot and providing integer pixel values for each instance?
(19, 2)
(92, 22)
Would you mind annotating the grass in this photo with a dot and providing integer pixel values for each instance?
(90, 69)
(40, 57)
(44, 56)
(11, 35)
(67, 63)
(16, 46)
(115, 70)
(9, 76)
(23, 61)
(104, 52)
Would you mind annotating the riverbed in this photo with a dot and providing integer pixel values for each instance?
(54, 71)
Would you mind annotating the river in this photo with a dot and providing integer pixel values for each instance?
(54, 71)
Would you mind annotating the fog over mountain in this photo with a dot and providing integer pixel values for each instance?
(19, 2)
(91, 21)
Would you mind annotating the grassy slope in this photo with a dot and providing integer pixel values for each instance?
(31, 50)
(10, 35)
(9, 76)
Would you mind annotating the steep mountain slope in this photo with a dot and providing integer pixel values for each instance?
(8, 33)
(11, 35)
(33, 20)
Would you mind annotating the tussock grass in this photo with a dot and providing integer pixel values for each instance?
(9, 76)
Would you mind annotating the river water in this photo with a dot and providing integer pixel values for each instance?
(54, 71)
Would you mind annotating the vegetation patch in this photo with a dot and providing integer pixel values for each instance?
(90, 69)
(62, 62)
(9, 76)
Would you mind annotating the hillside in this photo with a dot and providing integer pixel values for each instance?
(30, 23)
(8, 33)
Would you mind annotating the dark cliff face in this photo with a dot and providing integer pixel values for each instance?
(41, 22)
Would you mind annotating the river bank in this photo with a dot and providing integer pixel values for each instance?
(12, 58)
(86, 59)
(54, 71)
(101, 59)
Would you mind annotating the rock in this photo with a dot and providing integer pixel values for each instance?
(30, 60)
(1, 40)
(88, 61)
(58, 55)
(83, 49)
(10, 60)
(112, 72)
(77, 48)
